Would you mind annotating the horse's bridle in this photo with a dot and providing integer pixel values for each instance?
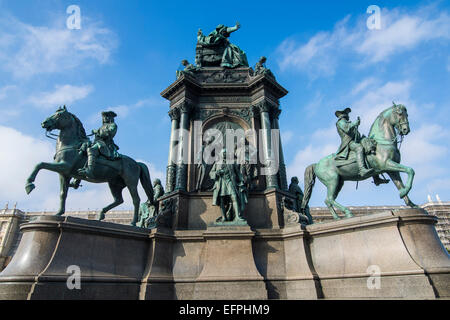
(49, 134)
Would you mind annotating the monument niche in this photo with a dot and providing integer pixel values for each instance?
(230, 228)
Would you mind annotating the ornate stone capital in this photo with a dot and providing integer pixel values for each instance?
(174, 114)
(254, 111)
(264, 106)
(275, 111)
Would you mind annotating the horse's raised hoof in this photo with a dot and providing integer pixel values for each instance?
(133, 224)
(101, 216)
(29, 187)
(349, 215)
(58, 214)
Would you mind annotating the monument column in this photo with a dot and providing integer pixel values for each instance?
(282, 166)
(264, 107)
(183, 140)
(254, 114)
(171, 165)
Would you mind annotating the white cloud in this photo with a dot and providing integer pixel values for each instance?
(401, 31)
(286, 136)
(314, 105)
(363, 85)
(20, 154)
(4, 91)
(422, 146)
(27, 50)
(7, 113)
(314, 56)
(322, 142)
(309, 155)
(123, 110)
(375, 99)
(63, 94)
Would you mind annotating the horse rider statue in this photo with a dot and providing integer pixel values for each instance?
(351, 141)
(103, 143)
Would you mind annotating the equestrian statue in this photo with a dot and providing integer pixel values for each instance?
(98, 161)
(359, 158)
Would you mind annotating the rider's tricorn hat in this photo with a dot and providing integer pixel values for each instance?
(341, 113)
(109, 114)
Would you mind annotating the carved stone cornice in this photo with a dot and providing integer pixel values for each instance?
(223, 76)
(243, 113)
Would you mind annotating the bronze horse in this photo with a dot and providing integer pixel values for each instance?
(390, 124)
(119, 174)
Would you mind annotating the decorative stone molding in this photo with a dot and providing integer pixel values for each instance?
(186, 107)
(205, 114)
(223, 76)
(254, 111)
(264, 106)
(171, 175)
(275, 112)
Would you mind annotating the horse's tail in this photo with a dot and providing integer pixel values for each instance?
(146, 181)
(310, 180)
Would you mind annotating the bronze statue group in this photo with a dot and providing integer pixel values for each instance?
(357, 158)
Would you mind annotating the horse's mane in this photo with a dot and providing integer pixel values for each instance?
(80, 129)
(381, 114)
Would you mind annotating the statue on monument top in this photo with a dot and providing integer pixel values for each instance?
(216, 50)
(189, 68)
(260, 68)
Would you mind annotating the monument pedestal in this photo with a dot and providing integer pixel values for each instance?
(392, 254)
(229, 270)
(333, 260)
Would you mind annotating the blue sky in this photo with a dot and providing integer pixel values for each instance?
(127, 52)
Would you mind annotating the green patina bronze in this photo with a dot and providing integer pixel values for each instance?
(148, 211)
(229, 191)
(76, 157)
(216, 50)
(260, 68)
(295, 189)
(379, 153)
(189, 68)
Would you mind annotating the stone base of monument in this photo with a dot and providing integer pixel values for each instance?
(393, 254)
(229, 269)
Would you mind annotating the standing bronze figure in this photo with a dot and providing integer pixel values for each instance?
(229, 191)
